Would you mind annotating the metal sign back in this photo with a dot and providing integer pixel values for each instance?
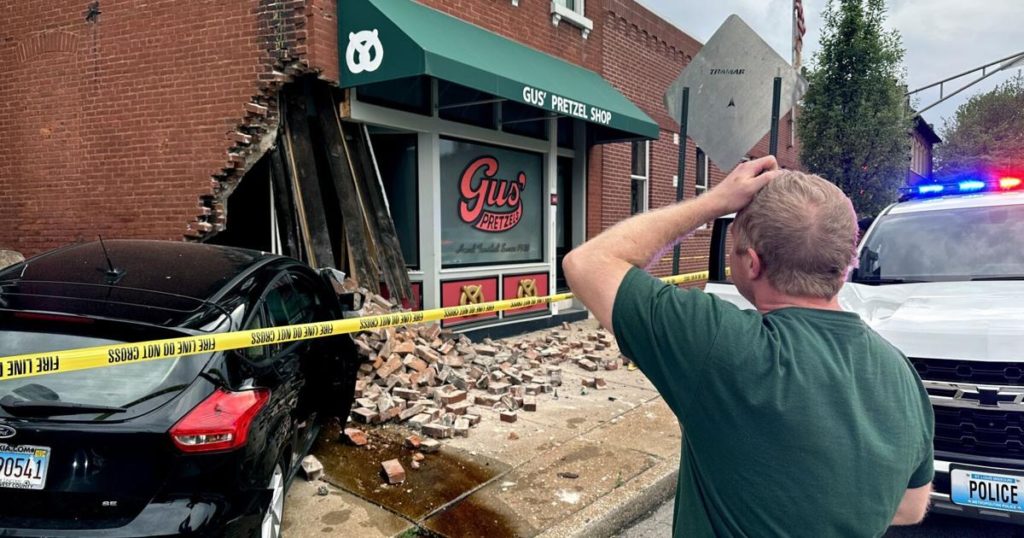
(730, 83)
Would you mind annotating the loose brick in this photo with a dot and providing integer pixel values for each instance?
(312, 468)
(393, 471)
(355, 436)
(509, 416)
(413, 441)
(529, 403)
(430, 446)
(452, 397)
(365, 415)
(498, 388)
(458, 408)
(587, 365)
(437, 431)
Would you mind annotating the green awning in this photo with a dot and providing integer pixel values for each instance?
(387, 40)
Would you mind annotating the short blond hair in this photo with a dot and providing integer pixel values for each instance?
(804, 229)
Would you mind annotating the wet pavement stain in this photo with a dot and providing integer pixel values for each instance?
(479, 516)
(336, 518)
(442, 478)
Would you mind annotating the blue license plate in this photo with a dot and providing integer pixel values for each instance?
(23, 466)
(987, 488)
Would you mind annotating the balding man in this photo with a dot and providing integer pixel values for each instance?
(798, 419)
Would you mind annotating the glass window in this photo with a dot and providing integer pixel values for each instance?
(574, 5)
(703, 176)
(291, 301)
(639, 175)
(257, 353)
(493, 204)
(958, 244)
(397, 160)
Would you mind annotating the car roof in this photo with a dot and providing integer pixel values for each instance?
(960, 201)
(166, 283)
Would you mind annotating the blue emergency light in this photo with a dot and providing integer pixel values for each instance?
(963, 186)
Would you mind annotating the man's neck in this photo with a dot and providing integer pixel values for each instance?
(777, 301)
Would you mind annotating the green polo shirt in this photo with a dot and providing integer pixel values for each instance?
(799, 422)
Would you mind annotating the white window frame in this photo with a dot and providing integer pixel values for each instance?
(575, 16)
(698, 188)
(646, 179)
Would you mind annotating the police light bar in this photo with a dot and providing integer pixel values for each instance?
(963, 186)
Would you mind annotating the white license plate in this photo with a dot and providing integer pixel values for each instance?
(23, 466)
(987, 488)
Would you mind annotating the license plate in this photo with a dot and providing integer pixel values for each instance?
(23, 466)
(987, 488)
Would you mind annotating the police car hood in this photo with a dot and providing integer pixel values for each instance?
(981, 321)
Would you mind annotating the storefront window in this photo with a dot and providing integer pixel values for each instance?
(397, 162)
(492, 205)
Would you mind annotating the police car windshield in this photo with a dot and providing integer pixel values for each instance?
(978, 243)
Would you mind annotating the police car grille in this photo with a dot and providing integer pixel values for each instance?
(989, 373)
(979, 432)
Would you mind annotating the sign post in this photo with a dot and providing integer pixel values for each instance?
(773, 140)
(684, 108)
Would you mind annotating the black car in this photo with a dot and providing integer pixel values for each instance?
(203, 444)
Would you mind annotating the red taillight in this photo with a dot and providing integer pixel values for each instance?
(221, 422)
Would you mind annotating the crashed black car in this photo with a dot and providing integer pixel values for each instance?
(203, 444)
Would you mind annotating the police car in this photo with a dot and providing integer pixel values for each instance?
(941, 276)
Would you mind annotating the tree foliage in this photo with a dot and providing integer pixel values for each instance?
(986, 134)
(854, 121)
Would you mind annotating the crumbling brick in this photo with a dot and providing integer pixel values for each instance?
(355, 436)
(393, 471)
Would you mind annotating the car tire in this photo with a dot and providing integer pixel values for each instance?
(274, 517)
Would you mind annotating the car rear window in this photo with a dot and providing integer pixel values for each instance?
(139, 387)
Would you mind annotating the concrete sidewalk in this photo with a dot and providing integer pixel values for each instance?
(586, 463)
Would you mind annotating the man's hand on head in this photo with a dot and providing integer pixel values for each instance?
(738, 188)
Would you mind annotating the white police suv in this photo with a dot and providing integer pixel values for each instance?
(941, 276)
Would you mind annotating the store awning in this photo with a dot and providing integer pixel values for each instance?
(387, 40)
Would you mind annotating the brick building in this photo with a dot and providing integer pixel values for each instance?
(140, 120)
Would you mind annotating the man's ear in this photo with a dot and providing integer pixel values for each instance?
(755, 266)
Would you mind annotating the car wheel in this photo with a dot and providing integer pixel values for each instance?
(275, 511)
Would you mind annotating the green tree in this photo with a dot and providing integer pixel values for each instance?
(986, 134)
(854, 121)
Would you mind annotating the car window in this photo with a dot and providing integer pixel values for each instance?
(257, 353)
(957, 244)
(291, 301)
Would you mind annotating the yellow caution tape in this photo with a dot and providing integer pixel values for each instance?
(70, 360)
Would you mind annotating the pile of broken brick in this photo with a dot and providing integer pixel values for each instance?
(433, 380)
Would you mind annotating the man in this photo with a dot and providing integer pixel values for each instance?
(798, 419)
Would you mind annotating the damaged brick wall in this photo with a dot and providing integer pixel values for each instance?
(134, 120)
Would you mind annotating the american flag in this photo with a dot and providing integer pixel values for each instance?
(799, 29)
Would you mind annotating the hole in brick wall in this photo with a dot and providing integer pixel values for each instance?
(249, 213)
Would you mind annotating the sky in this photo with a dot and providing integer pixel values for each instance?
(942, 38)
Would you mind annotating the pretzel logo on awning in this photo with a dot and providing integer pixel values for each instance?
(365, 52)
(489, 203)
(527, 288)
(471, 295)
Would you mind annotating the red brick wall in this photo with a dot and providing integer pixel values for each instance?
(642, 56)
(125, 125)
(530, 24)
